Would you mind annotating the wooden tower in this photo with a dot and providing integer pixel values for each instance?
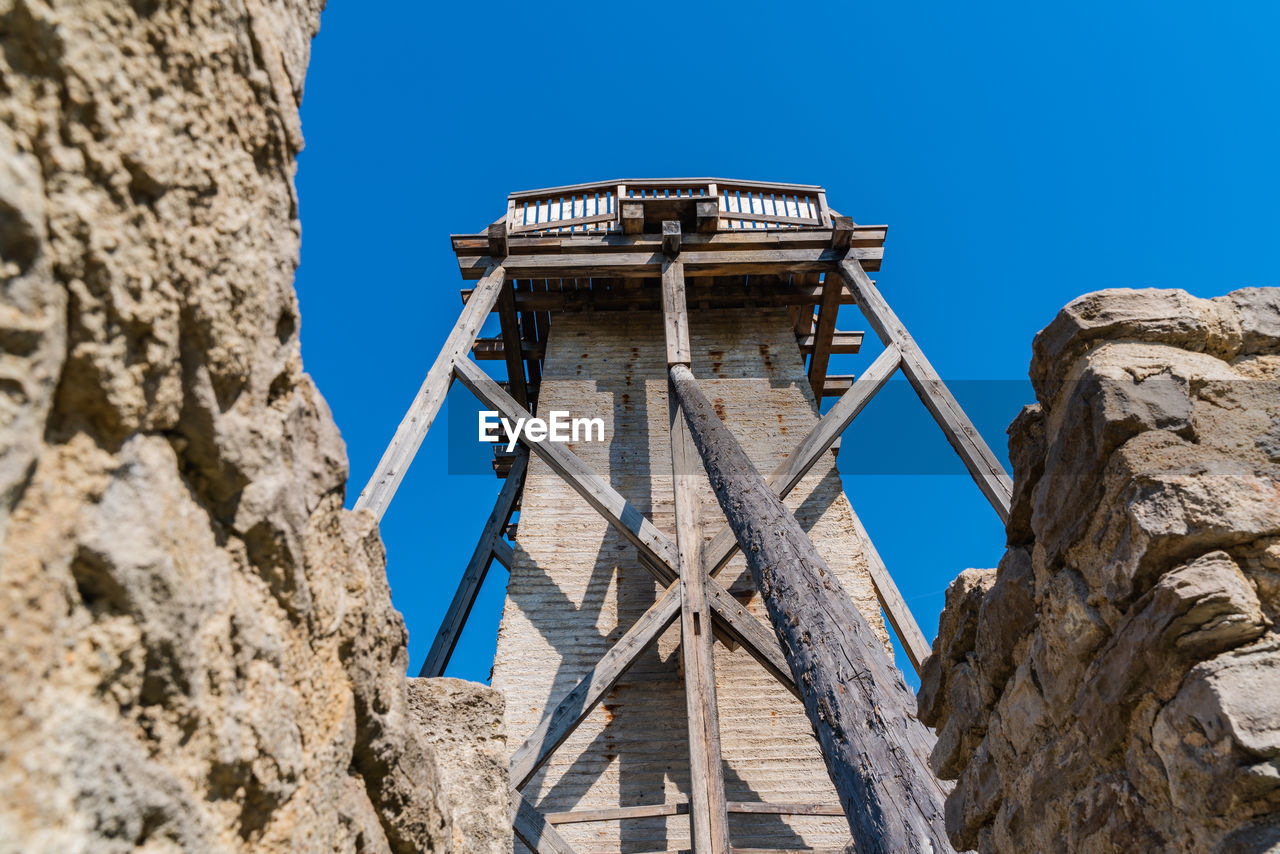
(692, 653)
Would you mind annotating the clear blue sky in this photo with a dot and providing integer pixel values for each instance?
(1022, 154)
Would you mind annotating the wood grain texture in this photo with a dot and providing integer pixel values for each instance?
(875, 750)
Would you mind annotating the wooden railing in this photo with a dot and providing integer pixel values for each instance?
(594, 208)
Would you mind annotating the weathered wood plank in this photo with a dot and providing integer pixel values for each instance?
(649, 263)
(630, 522)
(841, 342)
(706, 779)
(681, 807)
(533, 828)
(827, 311)
(864, 236)
(491, 349)
(674, 315)
(698, 291)
(386, 478)
(477, 568)
(511, 345)
(875, 750)
(982, 464)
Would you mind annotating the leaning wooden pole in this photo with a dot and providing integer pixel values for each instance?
(863, 713)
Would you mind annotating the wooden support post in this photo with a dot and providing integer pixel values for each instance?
(468, 588)
(982, 464)
(670, 238)
(827, 311)
(386, 478)
(512, 348)
(675, 317)
(498, 239)
(533, 828)
(841, 233)
(707, 212)
(876, 752)
(633, 217)
(709, 819)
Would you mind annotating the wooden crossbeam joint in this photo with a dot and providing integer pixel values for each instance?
(670, 238)
(498, 245)
(632, 217)
(841, 233)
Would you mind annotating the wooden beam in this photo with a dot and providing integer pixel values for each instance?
(630, 522)
(788, 473)
(649, 263)
(386, 478)
(512, 348)
(698, 291)
(657, 554)
(681, 807)
(491, 349)
(841, 342)
(558, 723)
(982, 464)
(533, 828)
(707, 214)
(674, 315)
(827, 311)
(498, 246)
(632, 217)
(864, 236)
(473, 577)
(710, 822)
(876, 751)
(841, 233)
(671, 238)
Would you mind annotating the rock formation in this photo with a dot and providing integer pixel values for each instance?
(200, 652)
(1115, 684)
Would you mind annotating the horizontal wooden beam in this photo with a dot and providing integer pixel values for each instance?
(698, 293)
(491, 349)
(681, 807)
(647, 183)
(719, 262)
(866, 236)
(841, 342)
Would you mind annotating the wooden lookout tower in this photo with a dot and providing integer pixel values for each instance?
(692, 647)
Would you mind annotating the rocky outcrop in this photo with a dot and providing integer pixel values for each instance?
(200, 652)
(1114, 685)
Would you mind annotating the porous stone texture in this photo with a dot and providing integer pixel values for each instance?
(463, 722)
(199, 648)
(1114, 685)
(577, 586)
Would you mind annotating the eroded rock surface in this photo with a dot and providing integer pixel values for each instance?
(199, 648)
(1115, 684)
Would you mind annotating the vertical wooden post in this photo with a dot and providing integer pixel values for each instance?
(708, 812)
(395, 461)
(876, 752)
